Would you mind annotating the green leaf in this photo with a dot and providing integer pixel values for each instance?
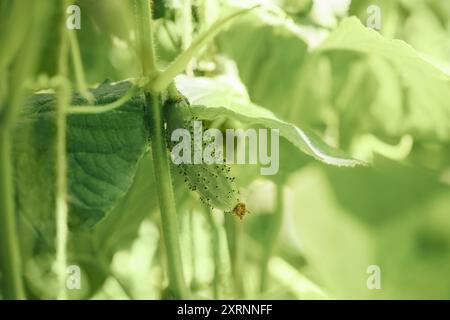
(213, 98)
(103, 154)
(352, 35)
(338, 84)
(426, 86)
(121, 226)
(94, 249)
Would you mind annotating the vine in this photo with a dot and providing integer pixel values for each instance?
(177, 285)
(62, 104)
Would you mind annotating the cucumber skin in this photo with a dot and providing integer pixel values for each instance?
(213, 182)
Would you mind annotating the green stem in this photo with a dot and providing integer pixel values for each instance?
(177, 286)
(95, 109)
(215, 230)
(106, 107)
(173, 93)
(9, 243)
(61, 192)
(187, 23)
(186, 18)
(272, 239)
(24, 25)
(169, 32)
(78, 67)
(163, 179)
(180, 63)
(62, 104)
(14, 19)
(234, 232)
(192, 233)
(145, 41)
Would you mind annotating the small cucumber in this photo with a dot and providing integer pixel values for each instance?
(213, 182)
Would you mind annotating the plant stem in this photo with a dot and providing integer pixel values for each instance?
(215, 231)
(186, 18)
(78, 67)
(146, 48)
(173, 93)
(62, 104)
(187, 23)
(192, 234)
(9, 244)
(177, 285)
(25, 23)
(17, 23)
(88, 109)
(61, 193)
(272, 238)
(234, 238)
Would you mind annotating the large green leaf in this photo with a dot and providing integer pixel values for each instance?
(94, 249)
(426, 86)
(121, 226)
(104, 151)
(225, 97)
(338, 85)
(103, 154)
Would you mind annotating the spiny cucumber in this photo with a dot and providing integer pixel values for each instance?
(213, 182)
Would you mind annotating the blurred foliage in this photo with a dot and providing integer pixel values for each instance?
(308, 66)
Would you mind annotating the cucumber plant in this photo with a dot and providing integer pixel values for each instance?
(160, 81)
(84, 167)
(148, 107)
